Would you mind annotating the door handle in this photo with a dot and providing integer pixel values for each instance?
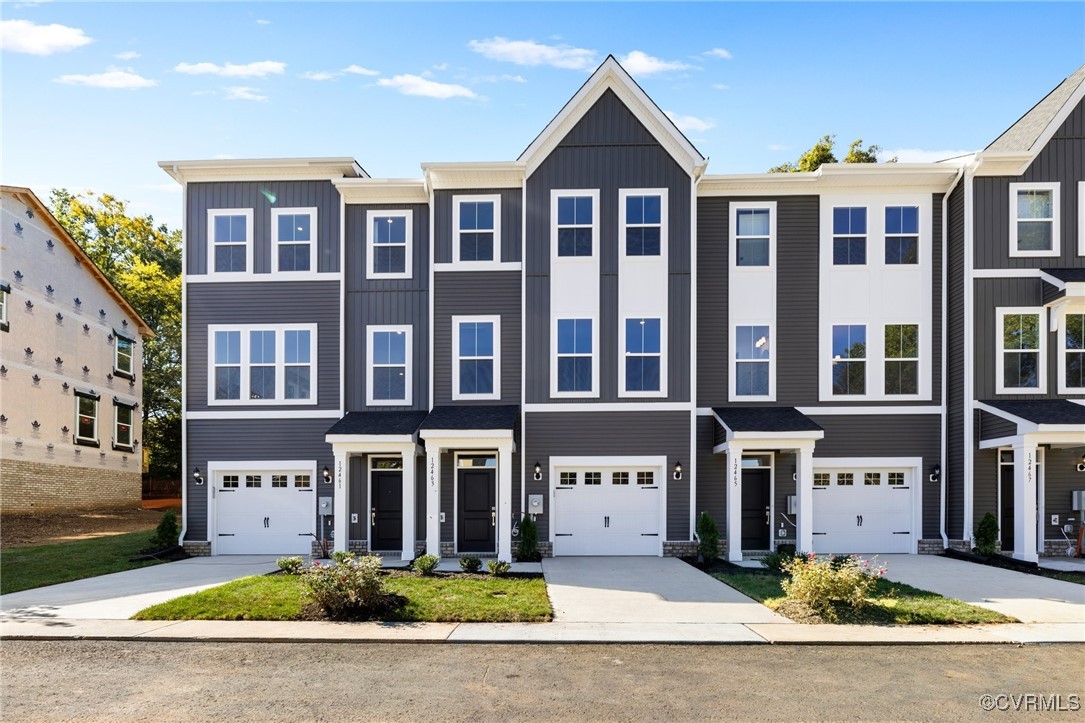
(267, 522)
(493, 517)
(373, 516)
(768, 518)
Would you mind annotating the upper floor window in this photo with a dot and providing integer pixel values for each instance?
(123, 356)
(476, 358)
(1034, 219)
(901, 235)
(389, 362)
(574, 356)
(1020, 355)
(86, 418)
(849, 359)
(642, 220)
(1072, 353)
(849, 236)
(388, 244)
(753, 358)
(4, 291)
(575, 222)
(902, 359)
(643, 355)
(262, 364)
(123, 419)
(230, 232)
(293, 242)
(476, 234)
(753, 233)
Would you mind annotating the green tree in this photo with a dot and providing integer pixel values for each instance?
(822, 152)
(143, 260)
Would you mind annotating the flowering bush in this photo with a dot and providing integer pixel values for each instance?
(348, 588)
(342, 556)
(498, 568)
(823, 582)
(289, 565)
(425, 564)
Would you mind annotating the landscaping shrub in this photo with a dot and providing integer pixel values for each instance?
(527, 549)
(498, 568)
(470, 564)
(987, 535)
(425, 565)
(708, 538)
(341, 556)
(776, 561)
(823, 583)
(348, 588)
(289, 565)
(167, 532)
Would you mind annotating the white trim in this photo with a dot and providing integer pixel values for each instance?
(408, 241)
(495, 320)
(458, 436)
(692, 484)
(888, 409)
(262, 169)
(244, 332)
(342, 304)
(368, 443)
(595, 357)
(117, 407)
(267, 414)
(523, 346)
(237, 278)
(1041, 351)
(608, 407)
(250, 243)
(97, 419)
(969, 322)
(751, 296)
(444, 266)
(1007, 274)
(574, 289)
(314, 239)
(430, 325)
(184, 367)
(1059, 317)
(624, 354)
(1081, 216)
(408, 372)
(1056, 211)
(493, 198)
(643, 288)
(732, 395)
(214, 468)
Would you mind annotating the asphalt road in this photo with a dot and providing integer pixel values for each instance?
(89, 680)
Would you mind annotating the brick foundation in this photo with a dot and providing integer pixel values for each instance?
(448, 549)
(31, 487)
(197, 548)
(931, 547)
(546, 549)
(1056, 548)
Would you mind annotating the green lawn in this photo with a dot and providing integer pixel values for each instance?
(430, 599)
(22, 568)
(893, 603)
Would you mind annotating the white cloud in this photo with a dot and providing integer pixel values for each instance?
(417, 85)
(777, 147)
(441, 66)
(23, 36)
(359, 70)
(919, 155)
(687, 123)
(112, 78)
(505, 77)
(528, 52)
(261, 21)
(258, 69)
(719, 53)
(639, 63)
(127, 55)
(319, 75)
(720, 86)
(242, 92)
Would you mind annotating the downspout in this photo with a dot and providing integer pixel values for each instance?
(695, 181)
(523, 345)
(969, 351)
(184, 361)
(942, 511)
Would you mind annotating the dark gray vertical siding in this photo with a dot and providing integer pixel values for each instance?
(911, 435)
(258, 196)
(463, 293)
(955, 371)
(511, 222)
(608, 150)
(992, 427)
(616, 434)
(296, 302)
(711, 482)
(386, 301)
(257, 440)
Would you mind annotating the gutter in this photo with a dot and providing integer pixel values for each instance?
(968, 390)
(184, 360)
(945, 322)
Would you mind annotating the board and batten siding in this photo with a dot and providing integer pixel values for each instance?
(955, 371)
(271, 302)
(511, 227)
(250, 440)
(262, 197)
(608, 149)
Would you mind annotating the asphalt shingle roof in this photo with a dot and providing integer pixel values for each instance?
(1042, 411)
(1023, 134)
(1068, 275)
(765, 419)
(473, 417)
(391, 423)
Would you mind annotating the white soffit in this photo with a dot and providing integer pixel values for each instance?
(850, 177)
(381, 190)
(263, 169)
(474, 176)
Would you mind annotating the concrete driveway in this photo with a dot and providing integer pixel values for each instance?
(1029, 598)
(644, 590)
(121, 595)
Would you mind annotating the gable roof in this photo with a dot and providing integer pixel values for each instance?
(1032, 130)
(28, 197)
(612, 76)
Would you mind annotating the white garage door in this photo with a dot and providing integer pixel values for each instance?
(264, 512)
(607, 511)
(863, 510)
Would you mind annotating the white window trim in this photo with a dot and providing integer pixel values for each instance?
(623, 354)
(664, 223)
(733, 236)
(127, 373)
(314, 239)
(593, 194)
(117, 406)
(456, 321)
(369, 244)
(594, 391)
(408, 373)
(920, 366)
(280, 364)
(91, 441)
(1056, 210)
(1000, 360)
(732, 382)
(5, 301)
(495, 262)
(1081, 218)
(833, 235)
(1074, 308)
(918, 235)
(250, 256)
(866, 360)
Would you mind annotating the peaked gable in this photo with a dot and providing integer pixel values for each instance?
(1032, 131)
(608, 122)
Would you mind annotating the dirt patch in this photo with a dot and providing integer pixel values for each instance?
(24, 530)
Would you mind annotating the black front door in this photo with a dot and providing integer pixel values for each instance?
(386, 513)
(1005, 522)
(477, 510)
(755, 508)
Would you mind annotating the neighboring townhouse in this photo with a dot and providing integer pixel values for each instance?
(598, 334)
(70, 371)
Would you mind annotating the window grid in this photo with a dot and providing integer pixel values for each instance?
(266, 364)
(567, 479)
(476, 231)
(229, 231)
(389, 364)
(753, 356)
(619, 478)
(901, 235)
(253, 480)
(1021, 351)
(476, 363)
(901, 359)
(279, 480)
(575, 356)
(389, 239)
(261, 364)
(1035, 219)
(895, 479)
(295, 238)
(822, 479)
(849, 359)
(643, 355)
(849, 236)
(593, 478)
(302, 480)
(845, 479)
(575, 224)
(646, 478)
(643, 225)
(752, 234)
(1074, 350)
(872, 479)
(230, 481)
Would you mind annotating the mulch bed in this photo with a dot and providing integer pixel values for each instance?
(1008, 563)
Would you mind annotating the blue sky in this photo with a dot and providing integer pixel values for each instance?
(94, 94)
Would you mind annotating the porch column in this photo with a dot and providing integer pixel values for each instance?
(341, 502)
(409, 502)
(734, 502)
(433, 499)
(1024, 500)
(504, 501)
(804, 489)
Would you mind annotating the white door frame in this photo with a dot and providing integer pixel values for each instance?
(369, 491)
(262, 466)
(772, 487)
(456, 491)
(1041, 494)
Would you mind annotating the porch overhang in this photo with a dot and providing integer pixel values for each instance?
(1055, 422)
(764, 428)
(1061, 285)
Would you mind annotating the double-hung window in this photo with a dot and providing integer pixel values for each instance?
(476, 234)
(1034, 219)
(230, 236)
(388, 244)
(849, 236)
(1073, 353)
(262, 364)
(752, 236)
(643, 222)
(575, 225)
(5, 290)
(476, 358)
(849, 359)
(1020, 358)
(123, 356)
(86, 418)
(226, 379)
(753, 360)
(123, 425)
(297, 356)
(294, 239)
(902, 359)
(901, 235)
(389, 362)
(643, 355)
(575, 373)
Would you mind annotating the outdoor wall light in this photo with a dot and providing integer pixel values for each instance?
(327, 475)
(678, 470)
(538, 471)
(1081, 465)
(197, 476)
(936, 473)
